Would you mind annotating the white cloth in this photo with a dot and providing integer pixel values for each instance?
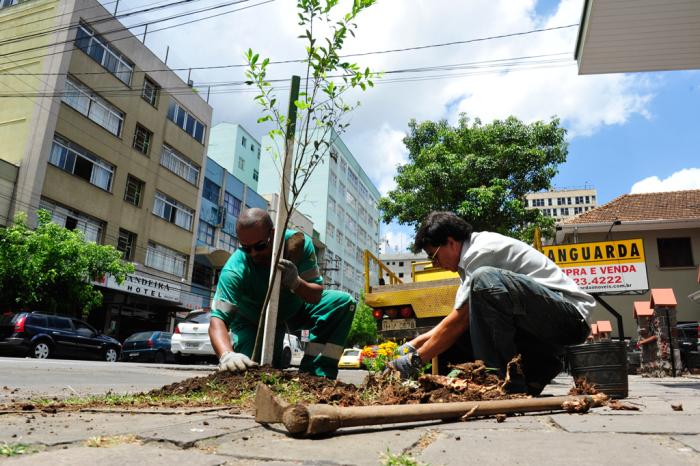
(495, 250)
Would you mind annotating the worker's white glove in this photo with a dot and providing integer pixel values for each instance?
(290, 274)
(235, 362)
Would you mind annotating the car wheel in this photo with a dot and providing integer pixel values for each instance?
(111, 355)
(40, 350)
(159, 357)
(286, 358)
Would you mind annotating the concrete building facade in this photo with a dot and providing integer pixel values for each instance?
(109, 140)
(401, 263)
(223, 198)
(237, 151)
(341, 201)
(563, 204)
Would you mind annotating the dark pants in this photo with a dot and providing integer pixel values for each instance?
(512, 314)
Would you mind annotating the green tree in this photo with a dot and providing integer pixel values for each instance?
(479, 171)
(50, 268)
(364, 327)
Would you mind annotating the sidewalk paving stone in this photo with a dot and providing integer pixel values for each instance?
(120, 455)
(538, 448)
(674, 423)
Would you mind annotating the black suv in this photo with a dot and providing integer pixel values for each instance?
(42, 336)
(689, 343)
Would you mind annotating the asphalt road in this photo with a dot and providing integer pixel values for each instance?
(22, 378)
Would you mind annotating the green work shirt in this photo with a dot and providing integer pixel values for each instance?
(243, 284)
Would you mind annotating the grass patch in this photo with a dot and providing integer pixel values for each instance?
(13, 449)
(290, 391)
(404, 459)
(142, 399)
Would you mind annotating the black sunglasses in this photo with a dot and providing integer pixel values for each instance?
(259, 246)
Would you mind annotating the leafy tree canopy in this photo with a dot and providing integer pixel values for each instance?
(479, 171)
(50, 268)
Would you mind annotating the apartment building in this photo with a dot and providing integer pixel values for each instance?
(341, 201)
(109, 140)
(237, 151)
(563, 204)
(223, 198)
(401, 263)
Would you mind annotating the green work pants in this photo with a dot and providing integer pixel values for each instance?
(328, 323)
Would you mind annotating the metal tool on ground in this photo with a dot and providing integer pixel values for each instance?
(316, 419)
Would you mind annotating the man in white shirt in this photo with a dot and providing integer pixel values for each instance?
(512, 300)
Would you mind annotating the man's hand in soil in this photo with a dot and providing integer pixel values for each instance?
(290, 274)
(235, 362)
(408, 366)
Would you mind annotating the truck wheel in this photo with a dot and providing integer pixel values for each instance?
(40, 350)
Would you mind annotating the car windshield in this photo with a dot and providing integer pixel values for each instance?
(139, 336)
(351, 353)
(199, 318)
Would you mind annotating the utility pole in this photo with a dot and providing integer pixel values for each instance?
(283, 208)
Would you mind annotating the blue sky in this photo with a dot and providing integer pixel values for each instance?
(626, 132)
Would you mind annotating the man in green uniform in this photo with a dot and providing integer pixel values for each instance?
(303, 304)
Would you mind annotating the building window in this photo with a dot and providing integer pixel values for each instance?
(258, 153)
(561, 201)
(166, 260)
(241, 163)
(133, 191)
(172, 211)
(6, 3)
(578, 210)
(256, 175)
(126, 243)
(74, 159)
(588, 199)
(330, 230)
(150, 92)
(675, 252)
(564, 211)
(549, 201)
(188, 123)
(142, 139)
(104, 54)
(92, 229)
(579, 200)
(84, 100)
(232, 205)
(244, 141)
(211, 191)
(205, 233)
(202, 275)
(227, 242)
(179, 164)
(568, 201)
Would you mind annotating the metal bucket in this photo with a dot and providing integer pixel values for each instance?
(603, 364)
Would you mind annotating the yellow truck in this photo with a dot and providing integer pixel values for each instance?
(404, 310)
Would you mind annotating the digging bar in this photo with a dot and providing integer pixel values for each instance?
(315, 419)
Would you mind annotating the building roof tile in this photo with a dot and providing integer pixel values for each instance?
(673, 205)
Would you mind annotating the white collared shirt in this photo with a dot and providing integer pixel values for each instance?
(495, 250)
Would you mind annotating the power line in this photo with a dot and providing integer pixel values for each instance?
(300, 60)
(15, 52)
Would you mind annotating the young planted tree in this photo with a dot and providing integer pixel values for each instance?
(50, 268)
(479, 171)
(317, 116)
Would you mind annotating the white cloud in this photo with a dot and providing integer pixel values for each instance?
(687, 178)
(396, 239)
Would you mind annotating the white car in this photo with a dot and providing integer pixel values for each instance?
(191, 339)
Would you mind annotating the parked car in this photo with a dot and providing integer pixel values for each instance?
(151, 346)
(42, 336)
(689, 344)
(190, 340)
(350, 359)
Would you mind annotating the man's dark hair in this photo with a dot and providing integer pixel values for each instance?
(437, 226)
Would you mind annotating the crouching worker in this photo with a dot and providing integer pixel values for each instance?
(512, 300)
(303, 304)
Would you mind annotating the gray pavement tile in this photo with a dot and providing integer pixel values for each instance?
(531, 422)
(120, 455)
(692, 441)
(187, 433)
(556, 448)
(346, 447)
(632, 423)
(65, 427)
